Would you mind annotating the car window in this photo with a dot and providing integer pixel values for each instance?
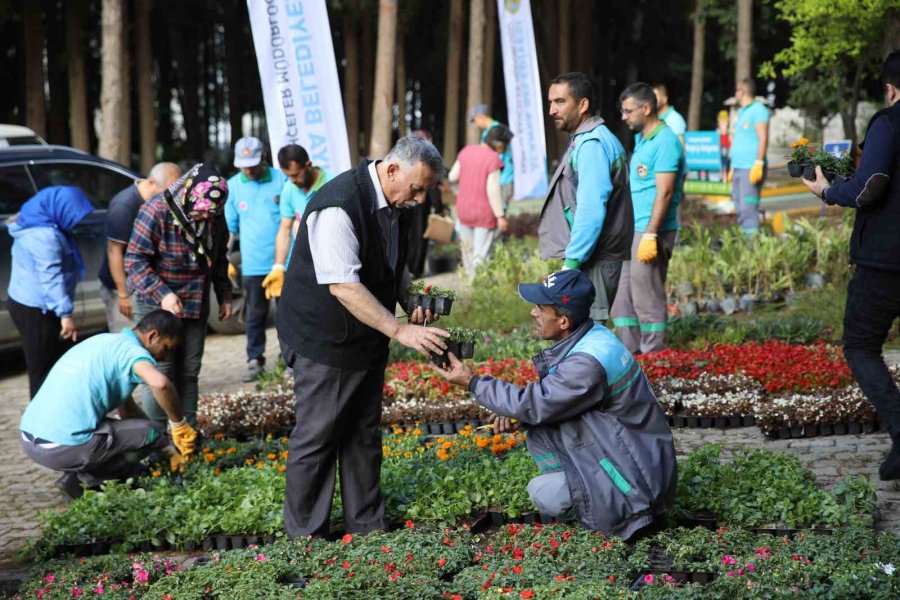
(99, 182)
(15, 189)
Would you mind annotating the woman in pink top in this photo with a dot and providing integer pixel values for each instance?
(479, 203)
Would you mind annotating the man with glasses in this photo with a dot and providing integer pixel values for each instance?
(587, 219)
(656, 174)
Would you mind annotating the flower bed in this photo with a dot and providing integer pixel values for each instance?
(237, 490)
(521, 562)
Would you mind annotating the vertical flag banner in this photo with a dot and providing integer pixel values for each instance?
(299, 79)
(523, 98)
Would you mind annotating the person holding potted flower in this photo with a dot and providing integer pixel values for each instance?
(593, 425)
(873, 293)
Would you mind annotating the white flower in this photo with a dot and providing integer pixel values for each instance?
(887, 568)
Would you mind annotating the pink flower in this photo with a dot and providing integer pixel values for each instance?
(728, 560)
(740, 571)
(762, 552)
(142, 576)
(41, 592)
(98, 589)
(731, 574)
(76, 592)
(137, 565)
(750, 567)
(49, 578)
(261, 557)
(648, 578)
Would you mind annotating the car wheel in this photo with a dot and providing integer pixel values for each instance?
(233, 326)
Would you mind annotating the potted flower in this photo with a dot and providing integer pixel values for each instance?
(799, 157)
(430, 297)
(461, 343)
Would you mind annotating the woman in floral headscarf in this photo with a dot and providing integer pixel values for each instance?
(176, 255)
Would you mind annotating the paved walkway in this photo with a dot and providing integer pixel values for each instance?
(26, 488)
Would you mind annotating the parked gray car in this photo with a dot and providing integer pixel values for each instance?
(26, 169)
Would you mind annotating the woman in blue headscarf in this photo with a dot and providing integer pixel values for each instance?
(46, 267)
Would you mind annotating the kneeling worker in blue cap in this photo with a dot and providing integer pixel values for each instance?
(595, 429)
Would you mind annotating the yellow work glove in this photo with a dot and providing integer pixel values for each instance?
(232, 271)
(184, 437)
(176, 463)
(756, 172)
(273, 282)
(647, 249)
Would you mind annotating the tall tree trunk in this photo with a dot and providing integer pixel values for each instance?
(351, 84)
(57, 77)
(474, 94)
(368, 78)
(564, 47)
(891, 40)
(111, 80)
(125, 107)
(490, 52)
(383, 100)
(697, 64)
(76, 15)
(744, 58)
(402, 129)
(35, 99)
(233, 50)
(451, 97)
(585, 37)
(144, 64)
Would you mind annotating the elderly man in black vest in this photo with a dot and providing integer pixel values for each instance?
(334, 322)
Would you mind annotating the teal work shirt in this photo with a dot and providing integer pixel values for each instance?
(91, 379)
(674, 120)
(659, 152)
(253, 211)
(506, 174)
(745, 145)
(294, 200)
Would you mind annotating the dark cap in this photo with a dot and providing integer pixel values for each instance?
(570, 289)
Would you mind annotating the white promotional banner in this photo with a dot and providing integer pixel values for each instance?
(524, 98)
(299, 79)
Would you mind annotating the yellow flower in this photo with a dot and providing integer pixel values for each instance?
(417, 432)
(156, 473)
(800, 143)
(272, 456)
(281, 468)
(398, 431)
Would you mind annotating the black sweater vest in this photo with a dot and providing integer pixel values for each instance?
(310, 320)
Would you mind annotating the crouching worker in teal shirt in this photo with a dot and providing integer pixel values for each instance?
(65, 427)
(595, 429)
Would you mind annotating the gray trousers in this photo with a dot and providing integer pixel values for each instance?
(604, 274)
(475, 244)
(182, 368)
(115, 321)
(746, 201)
(338, 420)
(639, 313)
(116, 447)
(549, 491)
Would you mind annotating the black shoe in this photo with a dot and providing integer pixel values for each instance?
(69, 485)
(890, 468)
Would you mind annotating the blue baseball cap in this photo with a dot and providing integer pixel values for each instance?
(570, 289)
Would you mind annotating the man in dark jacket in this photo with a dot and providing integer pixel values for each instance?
(595, 429)
(873, 294)
(334, 321)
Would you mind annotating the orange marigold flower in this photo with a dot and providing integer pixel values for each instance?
(272, 456)
(417, 432)
(442, 455)
(249, 461)
(398, 431)
(219, 436)
(447, 445)
(231, 450)
(281, 468)
(284, 454)
(156, 473)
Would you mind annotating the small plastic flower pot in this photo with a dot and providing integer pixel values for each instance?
(442, 305)
(809, 172)
(221, 542)
(209, 544)
(237, 541)
(795, 169)
(466, 350)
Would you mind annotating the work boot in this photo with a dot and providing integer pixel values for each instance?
(890, 468)
(69, 485)
(254, 370)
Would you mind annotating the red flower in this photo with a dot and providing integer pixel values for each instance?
(527, 594)
(345, 564)
(395, 576)
(442, 562)
(517, 569)
(518, 553)
(348, 537)
(410, 525)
